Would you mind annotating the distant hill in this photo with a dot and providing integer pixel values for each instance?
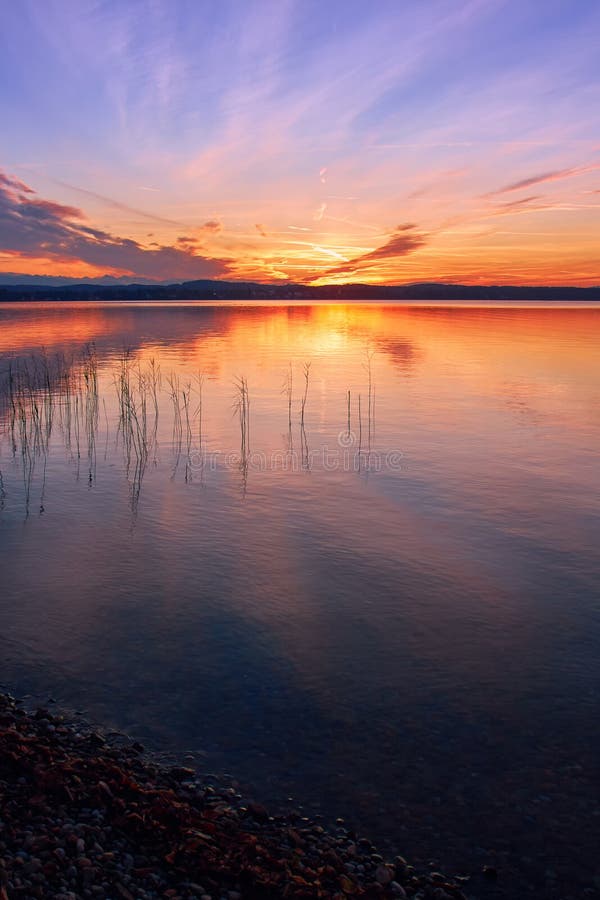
(34, 287)
(15, 279)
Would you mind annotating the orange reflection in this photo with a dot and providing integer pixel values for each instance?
(52, 331)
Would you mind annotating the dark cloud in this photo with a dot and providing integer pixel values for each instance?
(47, 210)
(405, 239)
(40, 228)
(14, 184)
(261, 230)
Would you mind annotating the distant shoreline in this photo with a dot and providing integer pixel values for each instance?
(238, 292)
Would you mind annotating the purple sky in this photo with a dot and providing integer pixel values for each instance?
(394, 141)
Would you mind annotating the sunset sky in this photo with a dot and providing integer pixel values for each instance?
(331, 141)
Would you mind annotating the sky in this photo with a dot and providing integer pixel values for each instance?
(292, 140)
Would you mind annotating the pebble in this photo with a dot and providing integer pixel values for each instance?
(125, 828)
(383, 874)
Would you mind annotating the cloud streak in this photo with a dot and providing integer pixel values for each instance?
(405, 240)
(115, 204)
(556, 175)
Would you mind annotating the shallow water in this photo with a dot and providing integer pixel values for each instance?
(393, 615)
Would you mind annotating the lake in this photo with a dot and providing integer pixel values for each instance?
(347, 553)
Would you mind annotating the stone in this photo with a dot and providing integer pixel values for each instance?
(383, 874)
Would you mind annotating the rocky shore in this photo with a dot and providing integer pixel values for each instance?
(84, 816)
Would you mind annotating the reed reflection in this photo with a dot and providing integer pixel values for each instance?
(42, 395)
(172, 386)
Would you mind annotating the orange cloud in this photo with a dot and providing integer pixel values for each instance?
(213, 226)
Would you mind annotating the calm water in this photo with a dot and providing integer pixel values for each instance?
(393, 616)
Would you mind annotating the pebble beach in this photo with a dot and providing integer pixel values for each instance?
(81, 817)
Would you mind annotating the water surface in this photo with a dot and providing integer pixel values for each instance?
(387, 608)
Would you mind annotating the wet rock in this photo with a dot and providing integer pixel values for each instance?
(384, 874)
(258, 812)
(181, 772)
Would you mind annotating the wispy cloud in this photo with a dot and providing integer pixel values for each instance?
(522, 202)
(115, 204)
(556, 175)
